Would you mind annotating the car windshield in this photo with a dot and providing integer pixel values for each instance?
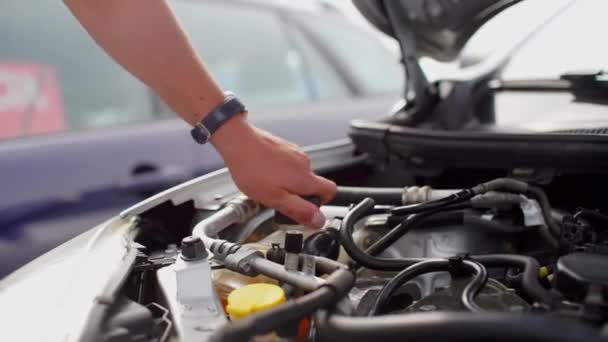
(564, 38)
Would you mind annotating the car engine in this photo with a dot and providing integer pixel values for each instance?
(460, 256)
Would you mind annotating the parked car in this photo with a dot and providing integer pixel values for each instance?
(82, 139)
(447, 224)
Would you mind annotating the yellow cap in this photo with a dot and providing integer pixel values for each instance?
(543, 272)
(253, 298)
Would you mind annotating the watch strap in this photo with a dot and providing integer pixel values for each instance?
(231, 106)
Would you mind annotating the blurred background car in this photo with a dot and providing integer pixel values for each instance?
(81, 139)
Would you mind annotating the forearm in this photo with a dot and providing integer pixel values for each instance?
(154, 48)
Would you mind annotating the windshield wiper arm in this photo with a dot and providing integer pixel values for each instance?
(586, 86)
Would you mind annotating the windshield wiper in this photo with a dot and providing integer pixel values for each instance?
(586, 86)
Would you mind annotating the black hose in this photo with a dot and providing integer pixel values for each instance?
(480, 278)
(592, 215)
(529, 266)
(266, 321)
(408, 224)
(538, 194)
(346, 238)
(426, 266)
(336, 287)
(347, 195)
(453, 326)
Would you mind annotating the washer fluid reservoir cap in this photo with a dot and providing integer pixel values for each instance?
(254, 298)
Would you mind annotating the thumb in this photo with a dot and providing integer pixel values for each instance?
(300, 210)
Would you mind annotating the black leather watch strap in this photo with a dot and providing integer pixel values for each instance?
(203, 130)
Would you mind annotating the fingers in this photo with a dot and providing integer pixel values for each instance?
(311, 184)
(325, 188)
(299, 210)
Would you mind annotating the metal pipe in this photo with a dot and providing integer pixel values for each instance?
(238, 210)
(277, 271)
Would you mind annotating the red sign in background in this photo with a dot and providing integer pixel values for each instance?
(30, 100)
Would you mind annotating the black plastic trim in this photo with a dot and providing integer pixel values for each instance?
(433, 148)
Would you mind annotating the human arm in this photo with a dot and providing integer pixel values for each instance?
(145, 37)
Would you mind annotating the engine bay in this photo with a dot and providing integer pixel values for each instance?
(460, 255)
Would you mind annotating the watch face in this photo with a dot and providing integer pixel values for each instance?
(198, 134)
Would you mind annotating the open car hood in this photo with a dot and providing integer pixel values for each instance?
(435, 28)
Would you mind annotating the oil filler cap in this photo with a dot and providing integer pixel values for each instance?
(254, 298)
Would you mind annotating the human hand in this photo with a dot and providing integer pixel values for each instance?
(272, 171)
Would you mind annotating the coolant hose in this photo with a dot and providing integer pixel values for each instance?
(529, 266)
(452, 326)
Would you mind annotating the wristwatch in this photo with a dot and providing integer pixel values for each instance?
(202, 131)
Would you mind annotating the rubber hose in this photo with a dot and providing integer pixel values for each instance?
(337, 285)
(359, 256)
(480, 278)
(452, 326)
(266, 321)
(592, 215)
(347, 195)
(529, 265)
(387, 291)
(509, 184)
